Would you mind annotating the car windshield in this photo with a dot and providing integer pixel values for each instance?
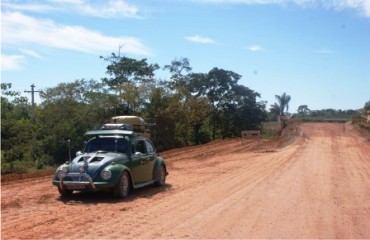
(107, 144)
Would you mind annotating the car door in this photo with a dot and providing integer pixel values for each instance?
(150, 150)
(142, 162)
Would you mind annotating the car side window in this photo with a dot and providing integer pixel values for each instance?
(149, 147)
(140, 147)
(133, 148)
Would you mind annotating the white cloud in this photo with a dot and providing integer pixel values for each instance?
(241, 1)
(255, 48)
(11, 62)
(28, 7)
(366, 8)
(18, 28)
(121, 8)
(67, 1)
(363, 6)
(199, 39)
(31, 53)
(113, 9)
(102, 9)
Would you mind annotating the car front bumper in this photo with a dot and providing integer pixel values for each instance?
(80, 181)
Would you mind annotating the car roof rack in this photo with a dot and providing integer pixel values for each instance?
(115, 126)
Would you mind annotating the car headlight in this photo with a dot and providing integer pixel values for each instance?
(105, 174)
(64, 169)
(61, 174)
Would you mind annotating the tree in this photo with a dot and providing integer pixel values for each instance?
(217, 86)
(233, 107)
(189, 108)
(68, 111)
(131, 80)
(128, 70)
(180, 70)
(367, 107)
(283, 103)
(13, 105)
(17, 129)
(303, 110)
(249, 113)
(280, 109)
(166, 111)
(197, 114)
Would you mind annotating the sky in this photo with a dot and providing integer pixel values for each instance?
(317, 51)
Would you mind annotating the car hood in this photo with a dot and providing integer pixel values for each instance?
(93, 163)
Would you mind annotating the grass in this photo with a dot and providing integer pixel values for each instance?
(270, 129)
(22, 167)
(333, 119)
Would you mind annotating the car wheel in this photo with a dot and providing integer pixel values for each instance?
(160, 176)
(65, 192)
(122, 189)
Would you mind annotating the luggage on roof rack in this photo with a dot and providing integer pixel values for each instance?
(136, 122)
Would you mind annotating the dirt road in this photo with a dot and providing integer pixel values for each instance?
(316, 186)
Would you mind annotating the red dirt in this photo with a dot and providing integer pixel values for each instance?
(316, 186)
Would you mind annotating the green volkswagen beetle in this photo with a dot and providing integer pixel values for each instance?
(115, 158)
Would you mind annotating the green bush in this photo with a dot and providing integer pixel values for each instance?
(16, 167)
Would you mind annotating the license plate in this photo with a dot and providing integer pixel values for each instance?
(75, 186)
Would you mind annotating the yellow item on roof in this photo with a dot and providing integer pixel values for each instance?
(137, 122)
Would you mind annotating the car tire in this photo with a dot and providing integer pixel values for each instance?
(122, 189)
(160, 179)
(65, 192)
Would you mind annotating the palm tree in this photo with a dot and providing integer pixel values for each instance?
(283, 103)
(275, 109)
(280, 109)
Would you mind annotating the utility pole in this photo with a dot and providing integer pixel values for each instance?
(119, 49)
(33, 118)
(32, 100)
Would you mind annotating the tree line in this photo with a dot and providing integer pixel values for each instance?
(304, 112)
(188, 108)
